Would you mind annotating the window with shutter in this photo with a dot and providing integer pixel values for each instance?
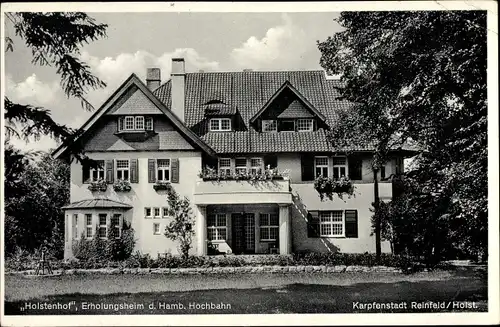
(313, 224)
(307, 167)
(174, 167)
(355, 166)
(134, 171)
(109, 171)
(85, 174)
(151, 171)
(351, 223)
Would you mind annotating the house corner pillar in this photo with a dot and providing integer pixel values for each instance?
(201, 222)
(284, 230)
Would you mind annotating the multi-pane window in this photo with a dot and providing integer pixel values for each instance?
(321, 166)
(103, 225)
(139, 122)
(149, 123)
(135, 123)
(216, 227)
(156, 229)
(98, 172)
(220, 124)
(269, 126)
(88, 225)
(115, 224)
(129, 123)
(225, 166)
(331, 223)
(305, 125)
(269, 226)
(241, 165)
(163, 170)
(157, 212)
(339, 167)
(148, 213)
(255, 165)
(165, 212)
(122, 169)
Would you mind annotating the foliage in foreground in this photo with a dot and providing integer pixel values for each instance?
(35, 191)
(420, 77)
(181, 227)
(105, 250)
(139, 260)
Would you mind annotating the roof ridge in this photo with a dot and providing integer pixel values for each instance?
(255, 71)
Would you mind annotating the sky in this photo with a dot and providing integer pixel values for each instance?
(136, 41)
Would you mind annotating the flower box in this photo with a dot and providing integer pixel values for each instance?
(211, 174)
(329, 186)
(122, 186)
(98, 186)
(162, 186)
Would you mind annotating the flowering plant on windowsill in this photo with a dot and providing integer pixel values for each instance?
(99, 185)
(211, 174)
(162, 185)
(122, 185)
(329, 186)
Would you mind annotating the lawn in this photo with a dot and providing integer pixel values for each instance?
(245, 293)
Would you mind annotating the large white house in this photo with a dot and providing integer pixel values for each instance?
(239, 123)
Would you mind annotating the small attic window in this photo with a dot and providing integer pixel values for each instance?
(269, 126)
(135, 123)
(220, 124)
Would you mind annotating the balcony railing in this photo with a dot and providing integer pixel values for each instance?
(242, 189)
(212, 174)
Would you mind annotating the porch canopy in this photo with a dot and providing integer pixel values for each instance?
(97, 204)
(242, 192)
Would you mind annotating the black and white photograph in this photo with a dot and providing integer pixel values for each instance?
(271, 163)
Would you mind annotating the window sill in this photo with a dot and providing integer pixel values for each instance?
(217, 241)
(269, 241)
(133, 131)
(333, 237)
(135, 135)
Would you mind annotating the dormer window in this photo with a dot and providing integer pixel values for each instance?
(269, 126)
(135, 123)
(305, 125)
(129, 123)
(220, 124)
(139, 123)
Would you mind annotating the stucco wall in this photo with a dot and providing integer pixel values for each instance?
(143, 195)
(291, 163)
(306, 198)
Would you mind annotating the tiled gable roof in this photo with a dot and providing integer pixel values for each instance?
(134, 102)
(295, 110)
(249, 92)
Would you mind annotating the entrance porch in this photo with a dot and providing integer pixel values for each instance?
(244, 229)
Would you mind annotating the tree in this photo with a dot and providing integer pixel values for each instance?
(54, 39)
(421, 76)
(34, 195)
(181, 228)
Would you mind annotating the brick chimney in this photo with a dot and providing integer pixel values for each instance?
(153, 78)
(178, 76)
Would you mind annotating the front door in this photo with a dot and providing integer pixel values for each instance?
(243, 232)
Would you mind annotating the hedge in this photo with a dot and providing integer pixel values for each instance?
(139, 260)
